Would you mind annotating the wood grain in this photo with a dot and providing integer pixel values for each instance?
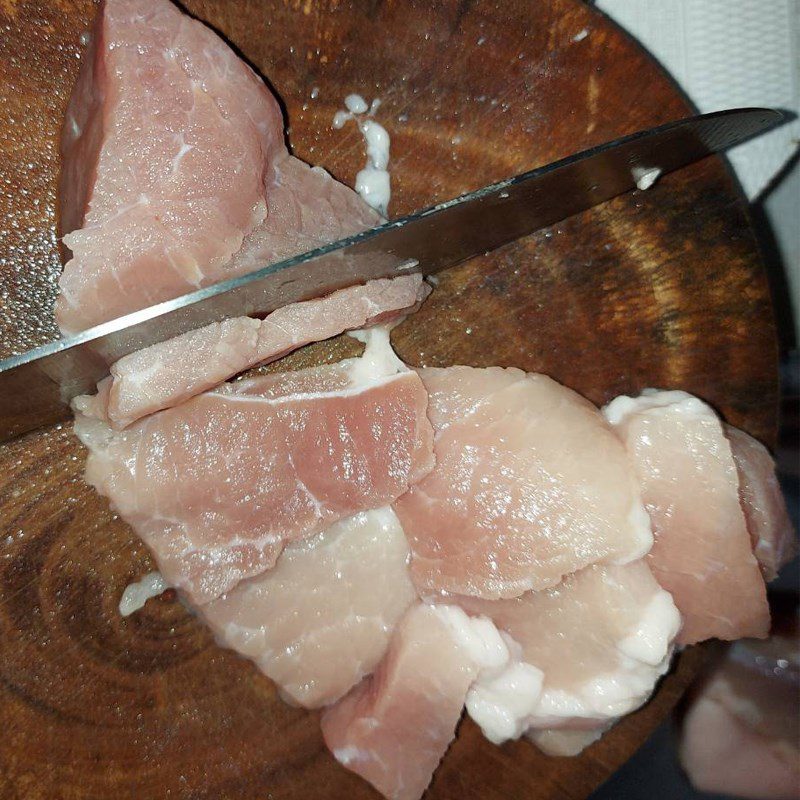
(663, 288)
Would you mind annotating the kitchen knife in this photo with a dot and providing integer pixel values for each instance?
(36, 387)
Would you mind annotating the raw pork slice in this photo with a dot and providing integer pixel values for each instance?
(169, 373)
(175, 173)
(394, 727)
(702, 553)
(771, 533)
(217, 485)
(601, 639)
(530, 484)
(741, 734)
(321, 618)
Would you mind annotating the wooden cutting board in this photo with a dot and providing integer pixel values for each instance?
(663, 288)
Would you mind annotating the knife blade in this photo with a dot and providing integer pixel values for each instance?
(36, 387)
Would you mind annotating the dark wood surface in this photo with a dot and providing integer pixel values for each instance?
(662, 288)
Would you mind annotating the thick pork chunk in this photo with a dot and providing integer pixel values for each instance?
(175, 171)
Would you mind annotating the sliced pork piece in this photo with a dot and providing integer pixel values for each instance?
(394, 727)
(321, 618)
(771, 533)
(169, 373)
(702, 553)
(530, 484)
(741, 733)
(601, 639)
(217, 485)
(175, 171)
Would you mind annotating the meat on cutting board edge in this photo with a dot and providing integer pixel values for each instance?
(257, 215)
